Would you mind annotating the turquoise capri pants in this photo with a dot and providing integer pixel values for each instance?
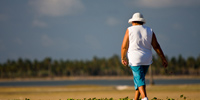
(139, 73)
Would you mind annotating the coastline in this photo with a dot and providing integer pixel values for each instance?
(98, 78)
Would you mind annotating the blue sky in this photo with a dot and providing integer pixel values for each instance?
(82, 29)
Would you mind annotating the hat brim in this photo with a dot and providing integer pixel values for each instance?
(138, 19)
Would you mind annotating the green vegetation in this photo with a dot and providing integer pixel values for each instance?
(126, 98)
(24, 68)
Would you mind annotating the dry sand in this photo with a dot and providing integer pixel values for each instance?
(191, 92)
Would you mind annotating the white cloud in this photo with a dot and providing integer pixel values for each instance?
(18, 41)
(177, 26)
(165, 3)
(163, 38)
(46, 40)
(56, 8)
(38, 23)
(54, 42)
(62, 43)
(93, 42)
(2, 45)
(111, 21)
(3, 17)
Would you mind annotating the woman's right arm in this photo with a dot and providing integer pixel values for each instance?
(158, 50)
(124, 48)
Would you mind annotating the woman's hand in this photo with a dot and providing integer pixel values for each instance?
(124, 62)
(165, 63)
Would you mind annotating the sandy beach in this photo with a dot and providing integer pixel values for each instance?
(90, 91)
(191, 92)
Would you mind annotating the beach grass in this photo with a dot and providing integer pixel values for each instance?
(191, 92)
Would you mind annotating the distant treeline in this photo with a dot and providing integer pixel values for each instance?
(24, 68)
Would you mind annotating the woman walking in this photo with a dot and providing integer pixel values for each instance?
(137, 44)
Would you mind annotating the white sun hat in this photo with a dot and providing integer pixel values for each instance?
(137, 17)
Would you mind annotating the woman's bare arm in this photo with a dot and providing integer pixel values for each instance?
(158, 50)
(124, 48)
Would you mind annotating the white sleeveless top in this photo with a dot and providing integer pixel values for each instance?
(139, 51)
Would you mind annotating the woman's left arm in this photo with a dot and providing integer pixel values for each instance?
(124, 48)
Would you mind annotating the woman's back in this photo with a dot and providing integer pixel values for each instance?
(139, 52)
